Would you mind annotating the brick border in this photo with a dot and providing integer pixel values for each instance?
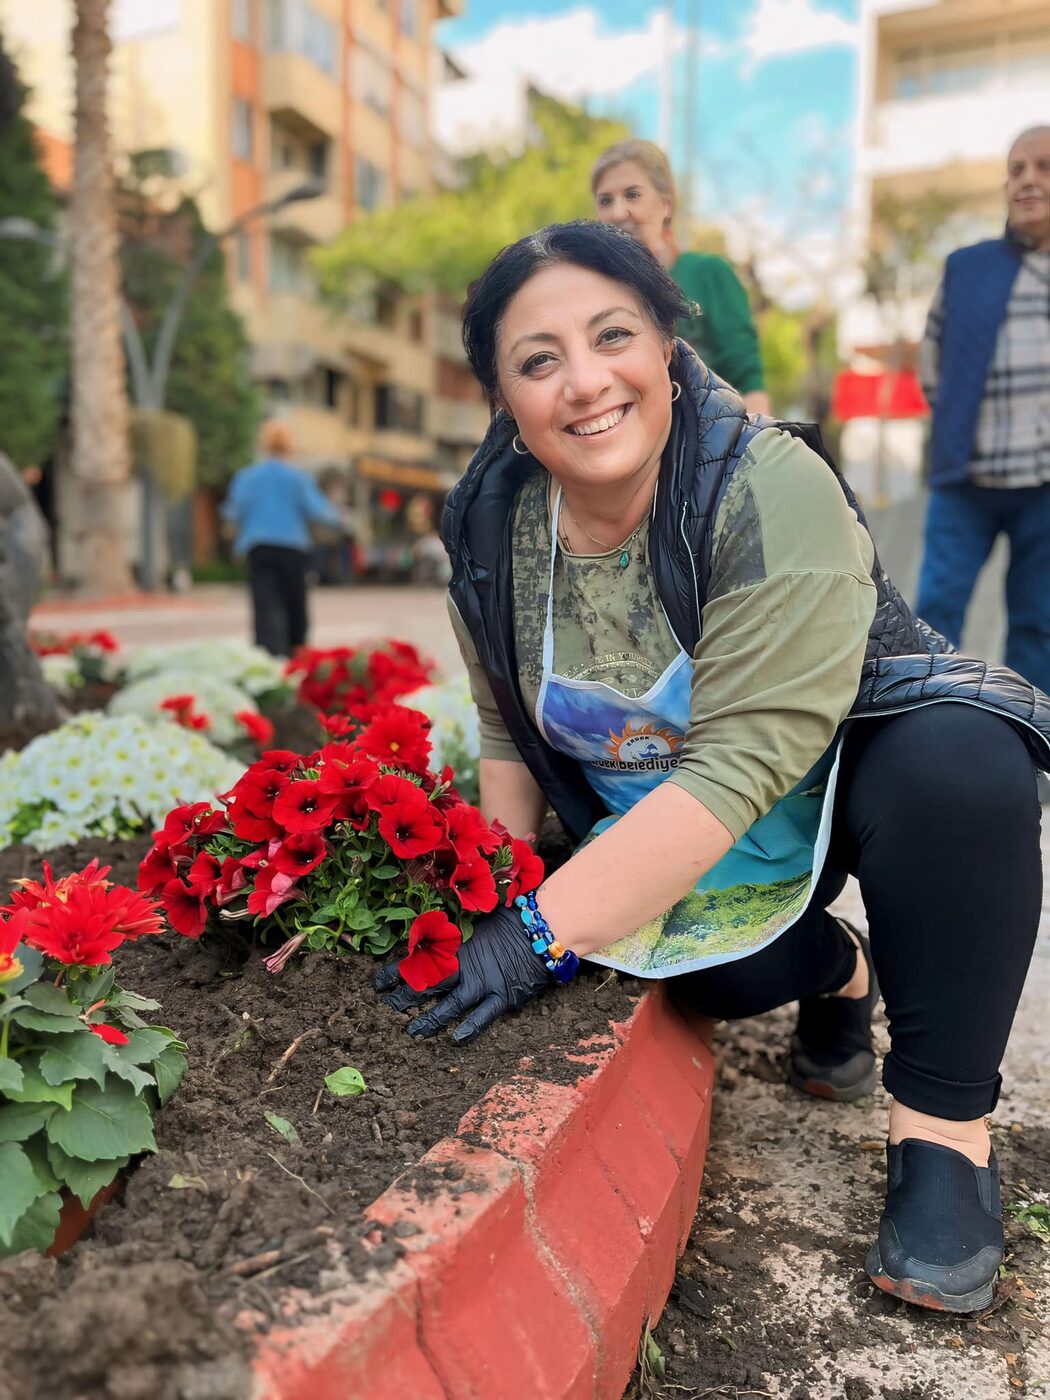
(538, 1240)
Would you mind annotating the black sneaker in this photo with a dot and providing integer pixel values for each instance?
(940, 1238)
(831, 1054)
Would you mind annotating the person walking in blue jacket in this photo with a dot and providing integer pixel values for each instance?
(986, 372)
(272, 506)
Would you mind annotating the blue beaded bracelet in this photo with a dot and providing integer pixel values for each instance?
(560, 962)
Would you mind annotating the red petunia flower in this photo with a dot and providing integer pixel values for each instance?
(392, 791)
(474, 886)
(257, 727)
(110, 1034)
(276, 760)
(234, 879)
(433, 945)
(186, 910)
(304, 806)
(409, 830)
(192, 819)
(349, 782)
(339, 726)
(156, 869)
(398, 737)
(525, 871)
(181, 707)
(300, 853)
(468, 831)
(272, 889)
(204, 875)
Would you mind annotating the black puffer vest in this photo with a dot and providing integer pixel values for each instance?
(906, 665)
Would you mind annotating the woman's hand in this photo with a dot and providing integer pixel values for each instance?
(498, 972)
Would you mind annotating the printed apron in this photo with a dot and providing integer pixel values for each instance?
(626, 747)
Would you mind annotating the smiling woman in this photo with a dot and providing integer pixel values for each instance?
(679, 637)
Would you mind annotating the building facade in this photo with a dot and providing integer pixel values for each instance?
(259, 97)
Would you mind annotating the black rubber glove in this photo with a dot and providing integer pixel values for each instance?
(498, 972)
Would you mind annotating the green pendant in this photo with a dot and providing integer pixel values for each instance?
(625, 559)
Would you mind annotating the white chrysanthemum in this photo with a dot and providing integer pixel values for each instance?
(249, 667)
(215, 697)
(455, 735)
(75, 787)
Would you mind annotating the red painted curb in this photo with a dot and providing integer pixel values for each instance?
(538, 1240)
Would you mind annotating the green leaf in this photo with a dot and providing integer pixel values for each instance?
(168, 1070)
(21, 1187)
(36, 1149)
(19, 1121)
(281, 1125)
(75, 1057)
(36, 1227)
(96, 987)
(346, 1082)
(9, 1005)
(386, 872)
(360, 919)
(84, 1179)
(54, 1000)
(10, 1075)
(325, 915)
(32, 961)
(36, 1089)
(144, 1045)
(104, 1123)
(32, 1020)
(397, 911)
(132, 1001)
(139, 1079)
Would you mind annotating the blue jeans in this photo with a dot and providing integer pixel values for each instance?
(962, 524)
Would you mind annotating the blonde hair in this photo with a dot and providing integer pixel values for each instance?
(276, 440)
(644, 153)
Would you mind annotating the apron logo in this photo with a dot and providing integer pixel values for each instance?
(643, 743)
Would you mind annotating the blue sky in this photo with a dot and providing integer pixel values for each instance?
(776, 90)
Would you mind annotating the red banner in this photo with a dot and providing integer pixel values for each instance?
(892, 394)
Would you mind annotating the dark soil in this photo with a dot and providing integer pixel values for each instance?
(770, 1297)
(144, 1307)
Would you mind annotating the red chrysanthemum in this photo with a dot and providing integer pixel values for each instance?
(272, 889)
(10, 937)
(81, 918)
(525, 871)
(433, 946)
(29, 894)
(474, 886)
(257, 727)
(410, 830)
(398, 738)
(186, 910)
(304, 806)
(300, 853)
(110, 1034)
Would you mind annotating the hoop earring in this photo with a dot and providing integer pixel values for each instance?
(522, 451)
(676, 391)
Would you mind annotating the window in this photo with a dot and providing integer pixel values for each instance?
(289, 270)
(398, 408)
(412, 117)
(1001, 60)
(408, 18)
(243, 144)
(244, 256)
(371, 81)
(416, 326)
(241, 21)
(296, 26)
(369, 184)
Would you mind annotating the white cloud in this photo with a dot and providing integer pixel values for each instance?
(566, 56)
(778, 27)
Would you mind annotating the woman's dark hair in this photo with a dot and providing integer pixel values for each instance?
(584, 243)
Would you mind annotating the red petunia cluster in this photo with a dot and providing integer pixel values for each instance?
(78, 920)
(65, 644)
(294, 829)
(184, 710)
(257, 727)
(338, 680)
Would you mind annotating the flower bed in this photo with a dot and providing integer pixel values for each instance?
(230, 1215)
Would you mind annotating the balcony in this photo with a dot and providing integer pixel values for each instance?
(298, 92)
(315, 220)
(963, 128)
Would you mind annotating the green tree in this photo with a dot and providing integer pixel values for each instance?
(209, 381)
(445, 240)
(33, 302)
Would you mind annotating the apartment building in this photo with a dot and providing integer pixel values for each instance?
(943, 88)
(258, 97)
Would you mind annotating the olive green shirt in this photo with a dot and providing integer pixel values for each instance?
(785, 626)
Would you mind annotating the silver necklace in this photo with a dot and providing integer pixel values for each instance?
(625, 553)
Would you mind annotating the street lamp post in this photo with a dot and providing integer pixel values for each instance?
(149, 382)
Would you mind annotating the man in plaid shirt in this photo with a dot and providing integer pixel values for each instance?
(985, 366)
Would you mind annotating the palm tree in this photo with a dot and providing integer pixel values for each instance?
(100, 453)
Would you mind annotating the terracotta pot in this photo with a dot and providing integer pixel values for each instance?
(74, 1217)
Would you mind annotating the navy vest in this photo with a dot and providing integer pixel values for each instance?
(977, 285)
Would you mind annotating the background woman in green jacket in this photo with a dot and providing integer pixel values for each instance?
(634, 189)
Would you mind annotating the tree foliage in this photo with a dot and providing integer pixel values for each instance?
(33, 301)
(209, 381)
(442, 242)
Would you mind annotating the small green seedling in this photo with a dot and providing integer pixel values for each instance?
(346, 1082)
(281, 1125)
(1036, 1215)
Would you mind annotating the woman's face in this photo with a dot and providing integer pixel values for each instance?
(583, 371)
(628, 198)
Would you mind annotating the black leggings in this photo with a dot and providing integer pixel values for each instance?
(937, 816)
(277, 578)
